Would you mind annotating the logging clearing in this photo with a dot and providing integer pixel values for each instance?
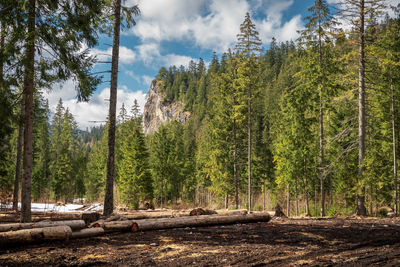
(279, 242)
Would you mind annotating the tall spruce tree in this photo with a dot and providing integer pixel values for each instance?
(135, 181)
(361, 9)
(248, 44)
(129, 12)
(60, 26)
(315, 36)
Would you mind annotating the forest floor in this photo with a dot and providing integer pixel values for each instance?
(280, 242)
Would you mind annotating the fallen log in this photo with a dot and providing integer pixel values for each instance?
(36, 234)
(138, 215)
(192, 221)
(117, 226)
(74, 224)
(88, 232)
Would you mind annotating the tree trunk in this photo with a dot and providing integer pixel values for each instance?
(297, 199)
(321, 120)
(235, 170)
(288, 201)
(264, 207)
(74, 224)
(226, 200)
(88, 232)
(194, 221)
(321, 145)
(315, 201)
(37, 234)
(28, 97)
(394, 147)
(249, 148)
(306, 186)
(19, 154)
(20, 125)
(109, 195)
(330, 187)
(361, 210)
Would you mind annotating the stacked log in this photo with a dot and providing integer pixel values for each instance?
(24, 233)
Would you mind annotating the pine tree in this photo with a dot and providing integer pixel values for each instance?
(247, 45)
(135, 181)
(117, 7)
(122, 117)
(316, 39)
(361, 9)
(64, 61)
(135, 110)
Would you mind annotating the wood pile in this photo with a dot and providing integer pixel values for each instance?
(24, 233)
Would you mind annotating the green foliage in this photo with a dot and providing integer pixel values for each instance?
(135, 181)
(167, 162)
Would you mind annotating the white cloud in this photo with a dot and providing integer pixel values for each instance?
(126, 55)
(144, 79)
(177, 60)
(290, 29)
(210, 24)
(97, 107)
(273, 26)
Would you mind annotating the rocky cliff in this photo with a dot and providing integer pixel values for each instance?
(157, 110)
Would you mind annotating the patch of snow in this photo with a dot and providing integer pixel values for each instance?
(48, 207)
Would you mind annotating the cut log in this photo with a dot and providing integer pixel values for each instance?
(88, 232)
(191, 221)
(35, 234)
(74, 224)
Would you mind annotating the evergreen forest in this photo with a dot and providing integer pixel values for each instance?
(310, 124)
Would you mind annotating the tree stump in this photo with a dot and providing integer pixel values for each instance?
(278, 211)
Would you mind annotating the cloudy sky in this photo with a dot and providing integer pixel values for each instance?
(173, 32)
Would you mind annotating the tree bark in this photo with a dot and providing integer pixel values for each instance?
(19, 154)
(297, 198)
(28, 95)
(306, 187)
(74, 224)
(263, 189)
(109, 194)
(394, 147)
(235, 170)
(37, 234)
(288, 201)
(249, 148)
(88, 232)
(321, 119)
(361, 210)
(115, 226)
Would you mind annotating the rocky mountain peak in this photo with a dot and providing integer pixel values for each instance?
(158, 111)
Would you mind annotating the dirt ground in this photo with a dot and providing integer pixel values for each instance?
(280, 242)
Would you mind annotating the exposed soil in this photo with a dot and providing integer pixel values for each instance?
(280, 242)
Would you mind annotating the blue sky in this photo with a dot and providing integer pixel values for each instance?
(173, 32)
